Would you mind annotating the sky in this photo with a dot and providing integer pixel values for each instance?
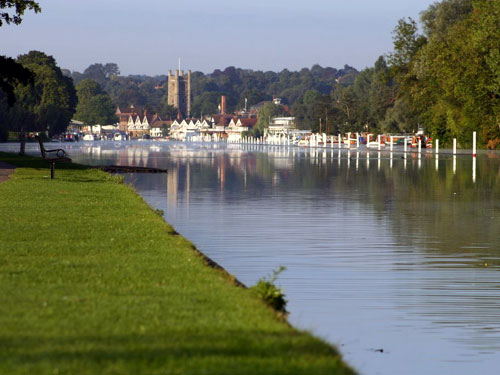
(149, 36)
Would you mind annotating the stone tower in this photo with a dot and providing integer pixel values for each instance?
(179, 91)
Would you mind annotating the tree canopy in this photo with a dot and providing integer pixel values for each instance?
(49, 103)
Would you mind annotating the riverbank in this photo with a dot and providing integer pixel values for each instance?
(94, 281)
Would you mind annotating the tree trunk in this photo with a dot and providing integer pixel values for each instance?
(22, 140)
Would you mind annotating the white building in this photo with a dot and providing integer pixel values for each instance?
(281, 125)
(238, 126)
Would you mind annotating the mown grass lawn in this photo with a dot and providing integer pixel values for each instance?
(93, 281)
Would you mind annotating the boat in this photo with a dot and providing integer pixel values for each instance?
(119, 137)
(88, 137)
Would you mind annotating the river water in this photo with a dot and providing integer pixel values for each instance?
(394, 261)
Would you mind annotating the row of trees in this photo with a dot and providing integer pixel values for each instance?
(445, 79)
(207, 89)
(47, 99)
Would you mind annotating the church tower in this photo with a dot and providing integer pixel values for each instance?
(179, 91)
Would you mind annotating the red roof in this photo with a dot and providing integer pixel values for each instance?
(248, 122)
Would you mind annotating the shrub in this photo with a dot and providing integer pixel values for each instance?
(269, 292)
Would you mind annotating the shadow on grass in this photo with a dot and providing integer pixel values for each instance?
(27, 161)
(230, 349)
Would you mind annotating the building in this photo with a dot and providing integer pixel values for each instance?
(239, 126)
(123, 114)
(281, 125)
(145, 125)
(179, 92)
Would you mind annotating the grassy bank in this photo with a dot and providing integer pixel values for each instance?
(93, 281)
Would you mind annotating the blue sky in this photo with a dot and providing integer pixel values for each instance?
(148, 36)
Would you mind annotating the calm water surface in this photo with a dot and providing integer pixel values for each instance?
(380, 253)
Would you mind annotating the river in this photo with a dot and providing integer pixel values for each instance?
(396, 261)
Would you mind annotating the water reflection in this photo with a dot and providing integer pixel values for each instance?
(399, 253)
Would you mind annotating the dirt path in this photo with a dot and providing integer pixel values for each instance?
(5, 171)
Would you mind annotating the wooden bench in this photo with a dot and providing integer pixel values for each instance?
(60, 156)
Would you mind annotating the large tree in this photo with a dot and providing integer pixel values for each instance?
(451, 80)
(12, 73)
(49, 104)
(45, 102)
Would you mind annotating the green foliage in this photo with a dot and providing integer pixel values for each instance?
(446, 80)
(266, 112)
(236, 84)
(206, 104)
(94, 105)
(46, 103)
(305, 110)
(269, 292)
(20, 6)
(407, 42)
(439, 17)
(360, 105)
(456, 84)
(11, 74)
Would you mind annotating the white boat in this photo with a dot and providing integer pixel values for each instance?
(119, 137)
(88, 137)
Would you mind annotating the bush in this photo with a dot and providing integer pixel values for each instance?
(270, 293)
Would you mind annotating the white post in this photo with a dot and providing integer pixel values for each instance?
(405, 148)
(378, 141)
(340, 141)
(349, 140)
(474, 168)
(392, 142)
(332, 141)
(474, 145)
(437, 147)
(357, 140)
(454, 146)
(419, 148)
(368, 140)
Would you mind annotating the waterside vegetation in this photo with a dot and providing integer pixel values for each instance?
(94, 281)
